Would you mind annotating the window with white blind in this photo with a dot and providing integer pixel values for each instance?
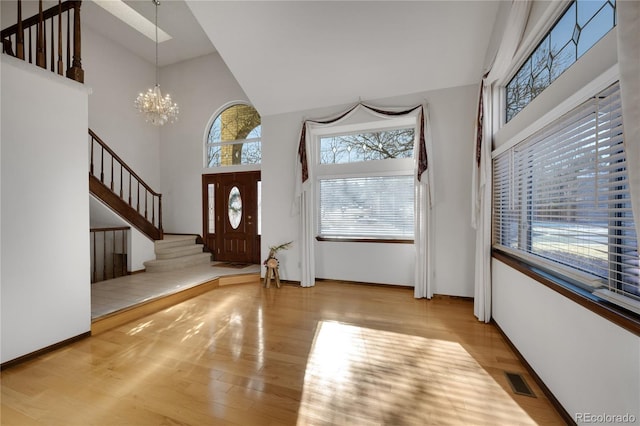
(378, 207)
(561, 201)
(366, 185)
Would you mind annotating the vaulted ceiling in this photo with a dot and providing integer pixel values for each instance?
(188, 39)
(297, 55)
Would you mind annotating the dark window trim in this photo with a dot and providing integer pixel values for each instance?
(630, 321)
(362, 240)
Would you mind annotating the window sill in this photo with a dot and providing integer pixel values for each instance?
(361, 240)
(616, 314)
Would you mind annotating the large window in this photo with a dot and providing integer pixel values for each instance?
(578, 29)
(561, 200)
(366, 185)
(234, 138)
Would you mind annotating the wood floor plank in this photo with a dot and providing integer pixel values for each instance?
(335, 354)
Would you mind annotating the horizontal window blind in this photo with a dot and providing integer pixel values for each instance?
(377, 207)
(562, 197)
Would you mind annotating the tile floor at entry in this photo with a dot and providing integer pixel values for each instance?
(119, 293)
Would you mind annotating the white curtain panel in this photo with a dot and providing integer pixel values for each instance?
(307, 262)
(513, 31)
(481, 215)
(629, 62)
(304, 205)
(424, 200)
(481, 184)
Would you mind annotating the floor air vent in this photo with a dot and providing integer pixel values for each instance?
(519, 385)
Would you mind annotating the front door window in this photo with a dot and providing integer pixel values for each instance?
(235, 207)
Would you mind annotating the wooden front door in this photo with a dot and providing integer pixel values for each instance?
(231, 216)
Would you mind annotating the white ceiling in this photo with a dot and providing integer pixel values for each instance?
(188, 39)
(298, 55)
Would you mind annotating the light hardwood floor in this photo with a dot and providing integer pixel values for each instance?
(335, 354)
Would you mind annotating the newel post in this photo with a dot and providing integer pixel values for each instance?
(160, 215)
(75, 72)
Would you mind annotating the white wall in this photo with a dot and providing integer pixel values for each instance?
(366, 262)
(139, 249)
(116, 76)
(45, 209)
(590, 364)
(452, 115)
(200, 87)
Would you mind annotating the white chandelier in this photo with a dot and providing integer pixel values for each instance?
(156, 109)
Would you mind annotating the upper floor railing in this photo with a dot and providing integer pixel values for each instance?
(51, 39)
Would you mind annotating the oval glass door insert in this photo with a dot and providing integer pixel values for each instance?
(235, 207)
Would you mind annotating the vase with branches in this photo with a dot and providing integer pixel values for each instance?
(275, 249)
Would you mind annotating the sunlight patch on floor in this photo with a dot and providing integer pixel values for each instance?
(364, 376)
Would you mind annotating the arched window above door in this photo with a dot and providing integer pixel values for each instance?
(234, 137)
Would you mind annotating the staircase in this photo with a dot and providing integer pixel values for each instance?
(113, 182)
(177, 252)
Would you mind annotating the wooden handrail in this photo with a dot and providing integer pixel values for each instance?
(46, 14)
(122, 199)
(121, 161)
(74, 69)
(110, 228)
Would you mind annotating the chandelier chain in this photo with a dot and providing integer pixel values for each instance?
(157, 3)
(157, 109)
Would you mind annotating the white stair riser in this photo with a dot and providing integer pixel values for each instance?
(174, 252)
(174, 242)
(177, 252)
(164, 265)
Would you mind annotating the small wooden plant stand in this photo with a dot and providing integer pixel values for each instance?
(272, 272)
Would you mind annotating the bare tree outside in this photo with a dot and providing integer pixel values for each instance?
(359, 147)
